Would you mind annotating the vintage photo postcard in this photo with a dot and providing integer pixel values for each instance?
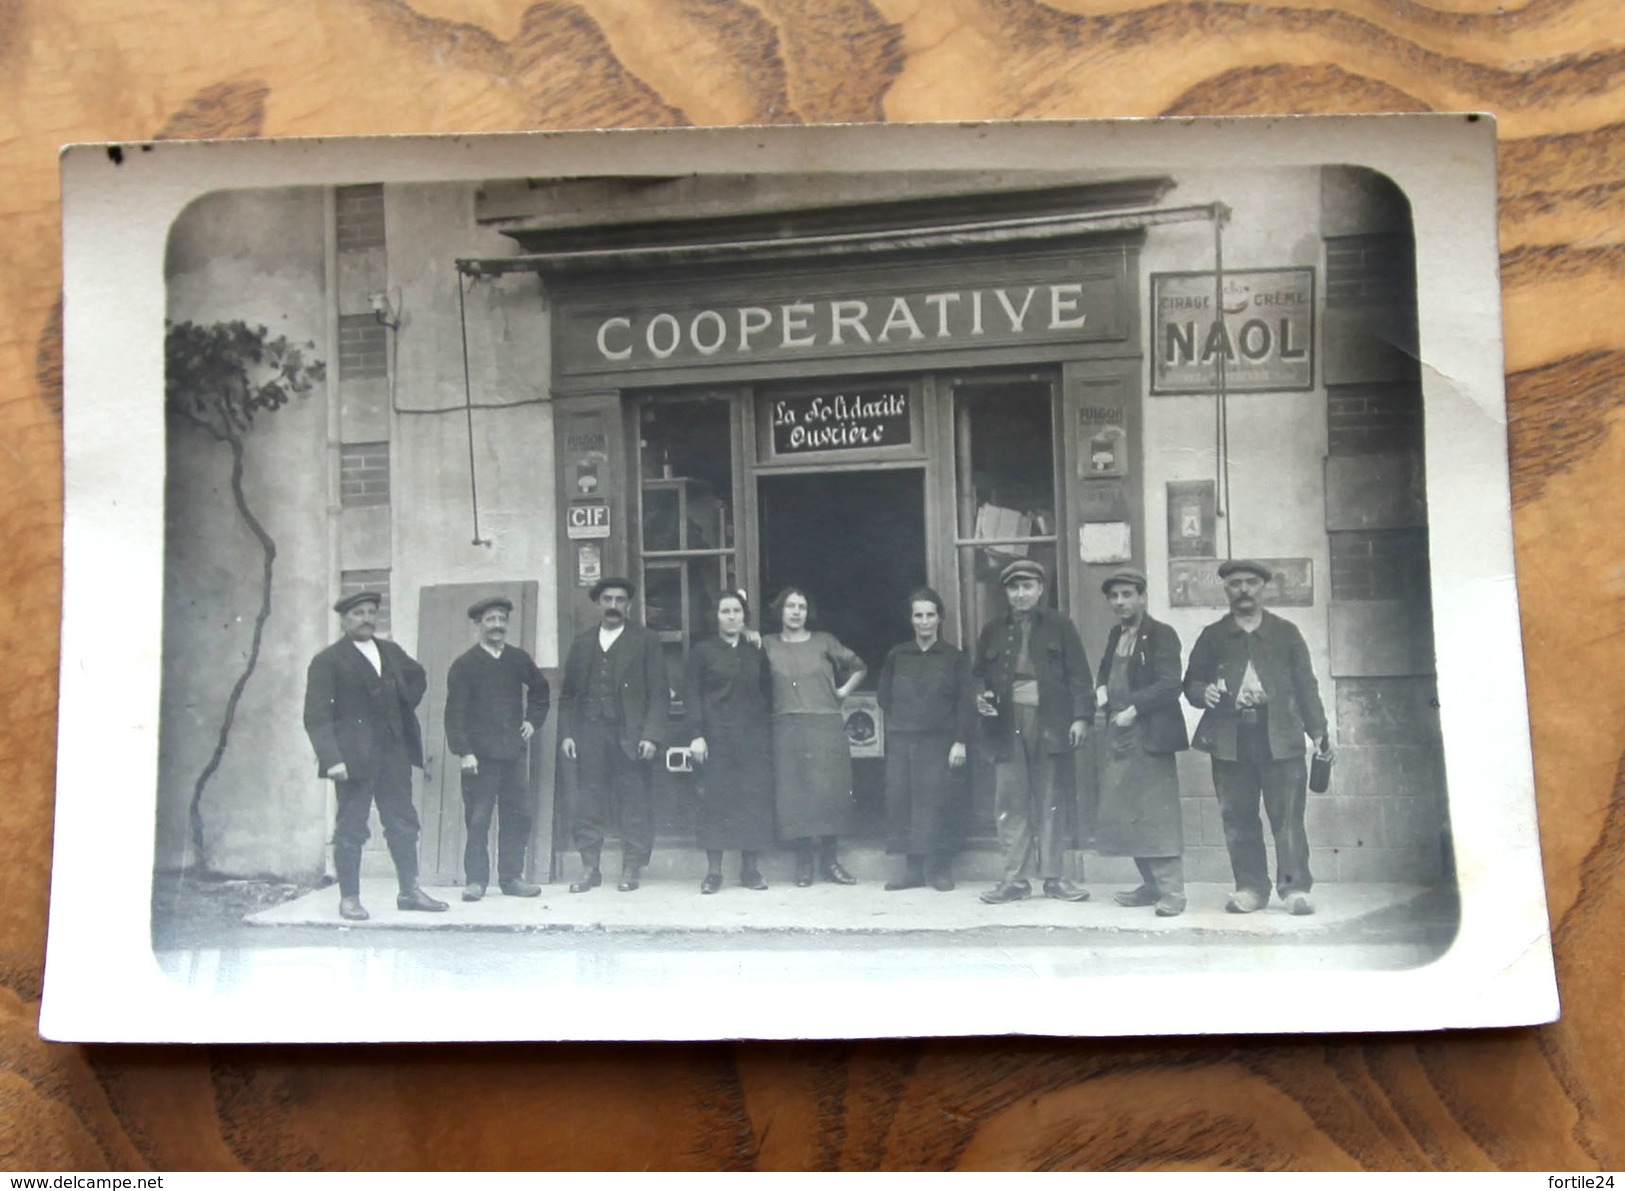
(801, 582)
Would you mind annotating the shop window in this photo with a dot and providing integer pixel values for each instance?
(685, 517)
(1004, 440)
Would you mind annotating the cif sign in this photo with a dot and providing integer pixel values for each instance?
(588, 519)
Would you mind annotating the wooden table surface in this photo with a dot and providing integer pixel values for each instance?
(1554, 73)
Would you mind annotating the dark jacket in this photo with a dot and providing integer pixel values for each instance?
(928, 691)
(1153, 679)
(726, 688)
(1281, 660)
(351, 709)
(488, 697)
(1065, 692)
(639, 674)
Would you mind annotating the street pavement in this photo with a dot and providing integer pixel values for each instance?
(669, 906)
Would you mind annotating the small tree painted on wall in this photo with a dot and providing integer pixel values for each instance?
(219, 377)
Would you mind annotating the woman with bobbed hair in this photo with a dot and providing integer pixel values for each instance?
(725, 702)
(811, 673)
(926, 692)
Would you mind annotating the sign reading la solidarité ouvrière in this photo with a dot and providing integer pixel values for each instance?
(840, 421)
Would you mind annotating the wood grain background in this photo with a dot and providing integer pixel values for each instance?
(1554, 73)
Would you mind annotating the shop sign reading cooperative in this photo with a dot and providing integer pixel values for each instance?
(1078, 306)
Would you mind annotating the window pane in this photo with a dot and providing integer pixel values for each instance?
(1005, 454)
(1005, 432)
(662, 515)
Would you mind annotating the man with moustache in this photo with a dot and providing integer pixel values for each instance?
(1251, 676)
(1036, 701)
(496, 699)
(361, 695)
(612, 720)
(1137, 691)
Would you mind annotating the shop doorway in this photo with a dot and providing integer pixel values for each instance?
(855, 540)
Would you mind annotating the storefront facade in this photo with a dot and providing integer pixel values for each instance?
(862, 397)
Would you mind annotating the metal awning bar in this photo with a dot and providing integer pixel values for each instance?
(999, 231)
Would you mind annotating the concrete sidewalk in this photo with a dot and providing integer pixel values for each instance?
(665, 905)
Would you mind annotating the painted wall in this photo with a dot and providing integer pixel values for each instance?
(1277, 445)
(257, 256)
(429, 227)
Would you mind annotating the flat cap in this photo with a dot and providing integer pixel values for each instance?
(480, 607)
(1022, 568)
(374, 598)
(603, 585)
(1231, 566)
(1123, 575)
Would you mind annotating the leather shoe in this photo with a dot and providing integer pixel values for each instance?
(629, 878)
(834, 872)
(906, 881)
(1063, 890)
(1170, 905)
(1244, 901)
(473, 891)
(1300, 904)
(943, 882)
(591, 879)
(712, 883)
(1006, 891)
(351, 909)
(804, 872)
(416, 899)
(751, 879)
(1143, 896)
(518, 888)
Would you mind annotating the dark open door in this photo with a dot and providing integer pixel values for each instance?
(444, 631)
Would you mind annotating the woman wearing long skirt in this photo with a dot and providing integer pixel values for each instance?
(812, 762)
(725, 699)
(925, 691)
(1139, 686)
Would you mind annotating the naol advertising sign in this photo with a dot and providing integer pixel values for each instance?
(1260, 323)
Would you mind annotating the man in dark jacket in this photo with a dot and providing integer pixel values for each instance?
(1036, 701)
(1251, 676)
(612, 721)
(1138, 694)
(361, 695)
(496, 699)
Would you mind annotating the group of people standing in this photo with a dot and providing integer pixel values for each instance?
(763, 723)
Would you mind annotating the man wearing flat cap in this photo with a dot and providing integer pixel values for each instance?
(361, 697)
(612, 721)
(1036, 702)
(496, 699)
(1137, 691)
(1251, 677)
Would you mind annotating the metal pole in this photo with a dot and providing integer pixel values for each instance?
(468, 410)
(1221, 405)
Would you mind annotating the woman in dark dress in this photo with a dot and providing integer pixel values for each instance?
(812, 761)
(926, 692)
(725, 697)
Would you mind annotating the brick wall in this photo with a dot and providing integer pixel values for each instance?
(364, 473)
(359, 212)
(1380, 564)
(1384, 817)
(1373, 419)
(363, 348)
(1376, 268)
